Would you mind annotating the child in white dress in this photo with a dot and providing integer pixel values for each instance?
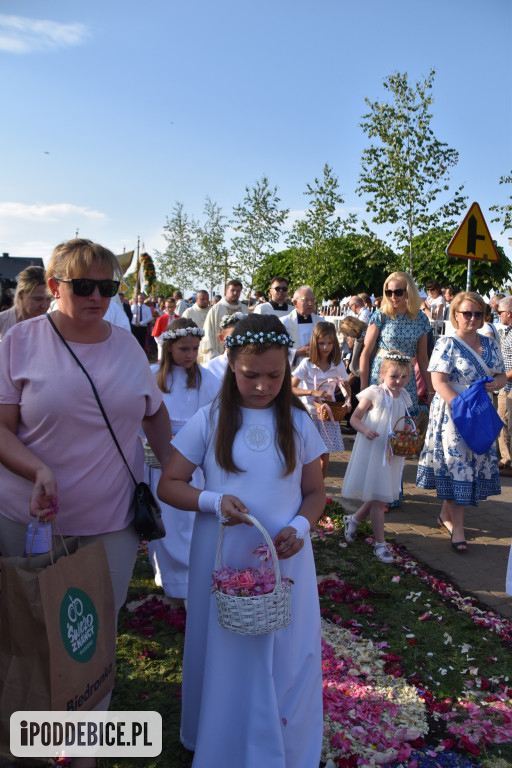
(186, 388)
(374, 475)
(217, 365)
(251, 700)
(315, 379)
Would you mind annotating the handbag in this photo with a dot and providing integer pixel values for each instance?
(475, 417)
(57, 631)
(147, 515)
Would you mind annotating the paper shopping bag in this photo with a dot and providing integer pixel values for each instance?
(57, 631)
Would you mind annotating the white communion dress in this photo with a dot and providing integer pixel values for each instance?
(251, 701)
(369, 476)
(170, 556)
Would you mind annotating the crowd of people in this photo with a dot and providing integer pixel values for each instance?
(235, 417)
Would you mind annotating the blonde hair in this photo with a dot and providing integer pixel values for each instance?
(75, 257)
(352, 326)
(466, 296)
(28, 280)
(387, 362)
(413, 300)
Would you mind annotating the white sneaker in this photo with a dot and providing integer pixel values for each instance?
(382, 552)
(350, 528)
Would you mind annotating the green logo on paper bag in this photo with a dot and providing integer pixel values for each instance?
(78, 624)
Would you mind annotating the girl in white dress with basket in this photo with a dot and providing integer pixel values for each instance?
(252, 700)
(186, 387)
(315, 380)
(374, 473)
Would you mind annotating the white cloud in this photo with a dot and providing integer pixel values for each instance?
(19, 34)
(46, 213)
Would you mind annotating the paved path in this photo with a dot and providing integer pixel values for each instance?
(481, 570)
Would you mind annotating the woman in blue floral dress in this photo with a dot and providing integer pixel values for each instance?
(398, 324)
(459, 476)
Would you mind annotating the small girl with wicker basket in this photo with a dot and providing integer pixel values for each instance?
(374, 472)
(251, 700)
(315, 380)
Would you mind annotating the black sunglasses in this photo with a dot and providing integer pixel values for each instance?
(84, 286)
(280, 288)
(469, 315)
(397, 292)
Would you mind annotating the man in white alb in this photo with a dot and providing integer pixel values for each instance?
(300, 322)
(210, 345)
(198, 311)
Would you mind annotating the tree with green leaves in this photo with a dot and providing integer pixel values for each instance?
(356, 263)
(313, 236)
(504, 211)
(431, 262)
(406, 169)
(213, 262)
(258, 222)
(179, 262)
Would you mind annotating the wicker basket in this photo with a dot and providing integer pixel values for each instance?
(150, 458)
(405, 443)
(262, 613)
(338, 410)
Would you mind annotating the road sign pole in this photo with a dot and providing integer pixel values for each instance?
(468, 278)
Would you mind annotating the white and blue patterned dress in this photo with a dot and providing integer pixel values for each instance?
(446, 463)
(402, 333)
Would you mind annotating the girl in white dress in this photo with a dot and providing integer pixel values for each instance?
(251, 700)
(217, 365)
(374, 475)
(312, 379)
(186, 388)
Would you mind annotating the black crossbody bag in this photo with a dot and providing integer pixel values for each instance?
(147, 518)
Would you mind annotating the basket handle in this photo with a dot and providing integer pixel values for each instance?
(268, 540)
(410, 418)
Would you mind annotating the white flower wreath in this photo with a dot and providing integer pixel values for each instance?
(180, 332)
(258, 337)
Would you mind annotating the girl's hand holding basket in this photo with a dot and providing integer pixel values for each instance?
(234, 511)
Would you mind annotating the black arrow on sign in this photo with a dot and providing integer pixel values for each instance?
(472, 235)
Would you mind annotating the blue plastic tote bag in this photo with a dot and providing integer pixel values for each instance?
(475, 417)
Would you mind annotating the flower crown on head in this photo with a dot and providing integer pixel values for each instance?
(258, 337)
(398, 358)
(180, 332)
(231, 319)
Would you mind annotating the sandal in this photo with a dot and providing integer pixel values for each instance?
(382, 552)
(441, 524)
(457, 546)
(350, 528)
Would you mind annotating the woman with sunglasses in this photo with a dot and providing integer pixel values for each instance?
(398, 324)
(447, 464)
(57, 456)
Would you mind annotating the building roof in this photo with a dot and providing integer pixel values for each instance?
(11, 266)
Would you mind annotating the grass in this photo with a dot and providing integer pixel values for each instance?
(437, 646)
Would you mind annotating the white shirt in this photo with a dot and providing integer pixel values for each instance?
(143, 312)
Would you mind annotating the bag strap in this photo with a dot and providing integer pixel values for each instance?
(100, 404)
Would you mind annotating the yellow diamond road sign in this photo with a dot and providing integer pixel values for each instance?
(472, 239)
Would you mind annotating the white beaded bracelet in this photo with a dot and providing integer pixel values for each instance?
(301, 525)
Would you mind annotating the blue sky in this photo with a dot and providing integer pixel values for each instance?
(113, 111)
